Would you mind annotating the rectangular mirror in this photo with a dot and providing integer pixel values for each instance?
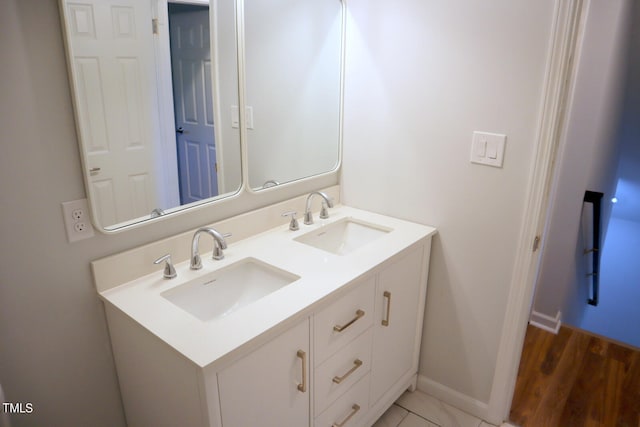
(154, 85)
(293, 60)
(156, 94)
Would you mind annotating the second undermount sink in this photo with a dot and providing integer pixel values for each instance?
(223, 291)
(343, 236)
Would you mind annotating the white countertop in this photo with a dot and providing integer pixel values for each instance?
(321, 273)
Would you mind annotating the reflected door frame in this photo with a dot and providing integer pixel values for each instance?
(167, 157)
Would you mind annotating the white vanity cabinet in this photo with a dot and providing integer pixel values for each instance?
(335, 348)
(269, 386)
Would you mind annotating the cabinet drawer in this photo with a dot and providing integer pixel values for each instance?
(338, 373)
(350, 409)
(343, 320)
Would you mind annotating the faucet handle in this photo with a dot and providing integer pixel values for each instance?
(169, 271)
(293, 225)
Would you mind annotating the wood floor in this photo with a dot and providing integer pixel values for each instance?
(574, 379)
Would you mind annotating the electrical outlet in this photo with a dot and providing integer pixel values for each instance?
(76, 221)
(77, 214)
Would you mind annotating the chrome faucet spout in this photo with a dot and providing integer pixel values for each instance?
(327, 202)
(219, 243)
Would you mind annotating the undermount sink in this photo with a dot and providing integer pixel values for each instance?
(343, 236)
(223, 291)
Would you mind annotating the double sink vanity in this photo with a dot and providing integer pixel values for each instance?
(318, 326)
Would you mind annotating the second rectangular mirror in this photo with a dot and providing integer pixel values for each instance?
(293, 59)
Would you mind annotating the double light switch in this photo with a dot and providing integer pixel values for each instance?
(488, 148)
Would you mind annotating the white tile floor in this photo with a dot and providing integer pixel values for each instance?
(418, 409)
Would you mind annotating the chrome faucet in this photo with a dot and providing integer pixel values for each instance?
(324, 212)
(219, 243)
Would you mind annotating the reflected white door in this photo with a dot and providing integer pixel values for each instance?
(193, 97)
(112, 51)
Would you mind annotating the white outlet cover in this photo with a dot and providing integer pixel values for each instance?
(76, 220)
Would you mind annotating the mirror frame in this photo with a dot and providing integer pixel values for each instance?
(245, 197)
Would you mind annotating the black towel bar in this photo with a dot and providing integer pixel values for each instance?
(594, 198)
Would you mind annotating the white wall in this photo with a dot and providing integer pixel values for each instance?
(422, 75)
(54, 345)
(588, 159)
(628, 188)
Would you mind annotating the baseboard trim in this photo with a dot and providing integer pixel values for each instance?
(548, 323)
(454, 398)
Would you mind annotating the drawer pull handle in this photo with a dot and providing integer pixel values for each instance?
(356, 364)
(387, 296)
(354, 410)
(340, 328)
(303, 356)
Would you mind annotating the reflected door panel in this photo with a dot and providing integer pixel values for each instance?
(191, 69)
(112, 46)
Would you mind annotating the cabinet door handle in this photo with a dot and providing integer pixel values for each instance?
(354, 410)
(303, 356)
(387, 296)
(356, 364)
(340, 328)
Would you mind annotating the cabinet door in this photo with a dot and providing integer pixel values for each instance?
(270, 386)
(396, 322)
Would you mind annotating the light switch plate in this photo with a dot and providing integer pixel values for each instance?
(248, 117)
(235, 117)
(488, 148)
